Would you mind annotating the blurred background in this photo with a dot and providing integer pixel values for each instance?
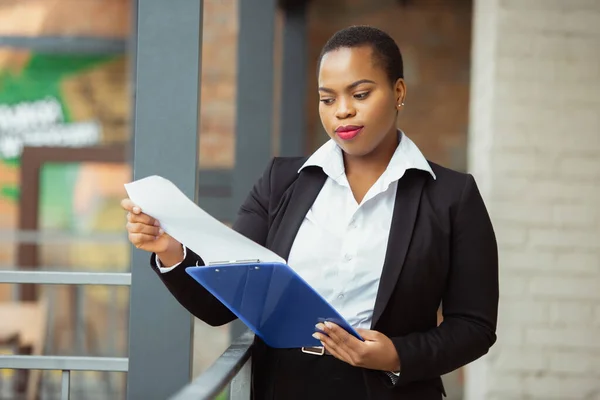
(508, 90)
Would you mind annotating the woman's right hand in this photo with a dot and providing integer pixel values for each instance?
(144, 232)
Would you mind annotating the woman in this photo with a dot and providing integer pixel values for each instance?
(384, 235)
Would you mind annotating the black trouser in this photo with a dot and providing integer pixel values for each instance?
(292, 374)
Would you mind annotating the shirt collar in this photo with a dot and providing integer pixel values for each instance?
(407, 156)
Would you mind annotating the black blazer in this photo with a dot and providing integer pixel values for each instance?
(442, 249)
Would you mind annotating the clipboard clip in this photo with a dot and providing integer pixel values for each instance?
(211, 263)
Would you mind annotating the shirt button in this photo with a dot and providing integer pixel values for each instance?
(341, 296)
(348, 257)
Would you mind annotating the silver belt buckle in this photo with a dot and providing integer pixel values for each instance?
(314, 350)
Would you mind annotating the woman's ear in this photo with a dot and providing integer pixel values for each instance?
(400, 92)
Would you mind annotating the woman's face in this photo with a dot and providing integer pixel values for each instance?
(358, 105)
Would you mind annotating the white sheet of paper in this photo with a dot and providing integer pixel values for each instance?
(181, 218)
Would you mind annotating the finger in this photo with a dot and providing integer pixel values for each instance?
(338, 350)
(337, 354)
(144, 229)
(127, 204)
(130, 206)
(140, 239)
(142, 219)
(340, 335)
(333, 340)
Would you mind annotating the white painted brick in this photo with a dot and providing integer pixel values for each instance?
(506, 385)
(514, 98)
(588, 167)
(512, 285)
(557, 192)
(587, 119)
(549, 261)
(571, 313)
(578, 216)
(558, 387)
(524, 163)
(542, 172)
(555, 128)
(544, 48)
(575, 363)
(510, 236)
(546, 71)
(510, 335)
(586, 133)
(564, 287)
(501, 394)
(544, 6)
(597, 316)
(515, 142)
(511, 97)
(581, 22)
(523, 312)
(563, 238)
(528, 22)
(574, 71)
(522, 213)
(578, 262)
(527, 259)
(564, 338)
(509, 188)
(522, 359)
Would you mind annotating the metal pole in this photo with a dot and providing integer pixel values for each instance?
(66, 385)
(165, 142)
(255, 68)
(241, 384)
(293, 83)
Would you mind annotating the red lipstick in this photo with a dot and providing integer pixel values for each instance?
(348, 132)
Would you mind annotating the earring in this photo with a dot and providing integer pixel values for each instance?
(400, 105)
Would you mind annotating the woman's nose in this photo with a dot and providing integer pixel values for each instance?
(344, 110)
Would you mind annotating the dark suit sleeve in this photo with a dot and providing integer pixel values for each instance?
(470, 303)
(252, 222)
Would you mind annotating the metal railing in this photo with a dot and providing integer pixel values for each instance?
(66, 278)
(61, 363)
(233, 368)
(66, 365)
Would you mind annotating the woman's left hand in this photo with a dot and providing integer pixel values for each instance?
(376, 352)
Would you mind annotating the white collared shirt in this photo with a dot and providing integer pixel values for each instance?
(341, 245)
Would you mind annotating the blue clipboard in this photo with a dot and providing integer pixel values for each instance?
(271, 299)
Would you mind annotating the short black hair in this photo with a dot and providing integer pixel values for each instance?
(385, 50)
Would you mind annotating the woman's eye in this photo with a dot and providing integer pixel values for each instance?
(361, 96)
(326, 101)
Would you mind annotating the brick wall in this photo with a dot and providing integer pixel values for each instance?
(534, 148)
(434, 39)
(218, 94)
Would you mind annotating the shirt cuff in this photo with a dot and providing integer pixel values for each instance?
(167, 269)
(394, 376)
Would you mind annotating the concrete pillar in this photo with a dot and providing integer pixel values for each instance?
(534, 148)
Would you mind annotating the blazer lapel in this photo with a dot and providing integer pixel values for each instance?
(305, 191)
(406, 206)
